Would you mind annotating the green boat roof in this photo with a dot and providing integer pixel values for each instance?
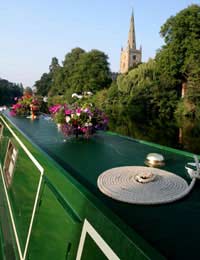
(172, 229)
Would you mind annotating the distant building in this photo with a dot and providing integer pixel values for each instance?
(130, 56)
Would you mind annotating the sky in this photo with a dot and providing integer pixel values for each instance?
(34, 31)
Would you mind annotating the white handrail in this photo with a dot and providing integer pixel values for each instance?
(37, 164)
(41, 170)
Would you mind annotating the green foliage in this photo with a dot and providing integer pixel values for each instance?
(141, 76)
(57, 85)
(179, 59)
(101, 99)
(8, 91)
(45, 83)
(193, 83)
(181, 34)
(186, 109)
(92, 72)
(54, 65)
(81, 71)
(164, 98)
(72, 58)
(139, 89)
(113, 94)
(59, 117)
(56, 100)
(178, 63)
(68, 96)
(180, 110)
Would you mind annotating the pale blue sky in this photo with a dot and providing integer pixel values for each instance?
(34, 31)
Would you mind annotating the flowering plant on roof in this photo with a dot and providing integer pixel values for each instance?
(79, 119)
(25, 106)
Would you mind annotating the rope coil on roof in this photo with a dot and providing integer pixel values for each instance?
(126, 184)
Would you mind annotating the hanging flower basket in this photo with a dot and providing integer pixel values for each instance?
(34, 108)
(26, 106)
(79, 120)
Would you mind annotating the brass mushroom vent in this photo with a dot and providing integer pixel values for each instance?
(155, 160)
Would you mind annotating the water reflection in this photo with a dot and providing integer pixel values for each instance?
(190, 136)
(184, 135)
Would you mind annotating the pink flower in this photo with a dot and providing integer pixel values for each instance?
(13, 113)
(84, 129)
(78, 111)
(68, 112)
(77, 120)
(16, 106)
(54, 109)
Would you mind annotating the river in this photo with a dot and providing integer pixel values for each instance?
(184, 135)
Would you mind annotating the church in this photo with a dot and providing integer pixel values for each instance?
(130, 56)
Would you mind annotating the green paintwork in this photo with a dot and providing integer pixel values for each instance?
(66, 202)
(54, 221)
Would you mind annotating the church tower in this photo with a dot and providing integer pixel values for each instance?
(130, 56)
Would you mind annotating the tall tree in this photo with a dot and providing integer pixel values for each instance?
(61, 82)
(44, 84)
(181, 34)
(178, 59)
(72, 58)
(81, 71)
(91, 72)
(54, 65)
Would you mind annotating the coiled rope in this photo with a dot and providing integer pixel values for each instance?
(122, 184)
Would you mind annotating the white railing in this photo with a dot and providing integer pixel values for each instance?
(23, 254)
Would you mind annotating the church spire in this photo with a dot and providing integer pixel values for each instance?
(131, 34)
(130, 56)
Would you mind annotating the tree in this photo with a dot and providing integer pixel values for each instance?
(44, 84)
(179, 58)
(91, 72)
(181, 34)
(57, 86)
(72, 58)
(54, 65)
(189, 106)
(9, 91)
(178, 61)
(61, 79)
(81, 71)
(141, 76)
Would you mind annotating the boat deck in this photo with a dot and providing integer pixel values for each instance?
(172, 229)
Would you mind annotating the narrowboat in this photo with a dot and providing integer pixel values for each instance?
(58, 200)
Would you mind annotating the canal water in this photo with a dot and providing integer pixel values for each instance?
(183, 136)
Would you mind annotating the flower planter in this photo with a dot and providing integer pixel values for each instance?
(34, 108)
(77, 121)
